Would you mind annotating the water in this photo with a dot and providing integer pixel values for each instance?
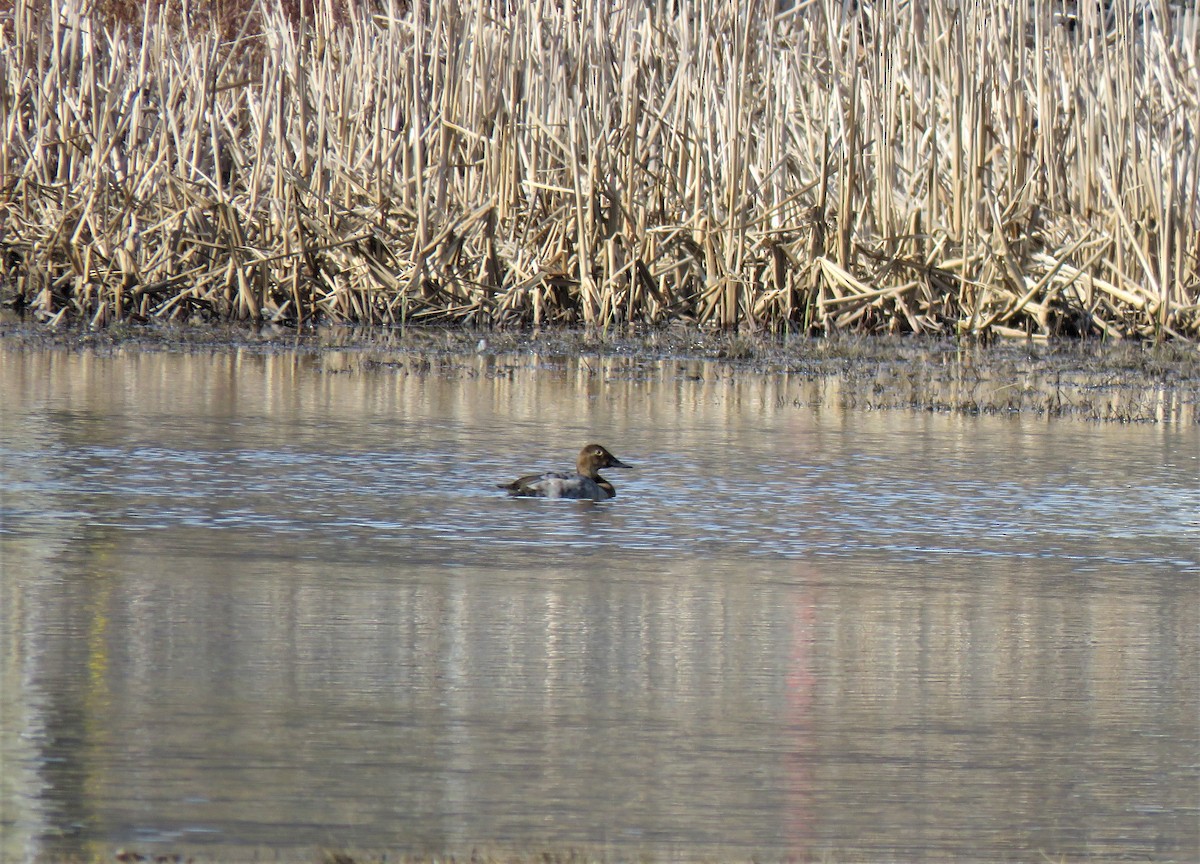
(272, 602)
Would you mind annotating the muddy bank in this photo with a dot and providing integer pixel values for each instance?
(1122, 382)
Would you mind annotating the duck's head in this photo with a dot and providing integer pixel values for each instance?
(593, 457)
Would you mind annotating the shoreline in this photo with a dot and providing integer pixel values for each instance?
(1123, 382)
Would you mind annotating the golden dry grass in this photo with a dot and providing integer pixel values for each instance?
(1025, 169)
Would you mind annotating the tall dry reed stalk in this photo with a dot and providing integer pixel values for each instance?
(931, 165)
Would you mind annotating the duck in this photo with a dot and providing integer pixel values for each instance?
(584, 483)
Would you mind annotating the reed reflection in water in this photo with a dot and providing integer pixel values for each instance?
(255, 600)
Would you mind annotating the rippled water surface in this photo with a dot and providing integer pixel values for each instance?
(272, 601)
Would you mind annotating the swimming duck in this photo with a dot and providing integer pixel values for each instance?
(585, 482)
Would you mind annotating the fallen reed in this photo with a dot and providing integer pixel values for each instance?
(1026, 169)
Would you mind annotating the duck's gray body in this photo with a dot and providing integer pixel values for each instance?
(585, 483)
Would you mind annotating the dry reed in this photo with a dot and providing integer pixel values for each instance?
(1025, 169)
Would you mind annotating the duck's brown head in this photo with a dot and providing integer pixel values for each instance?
(593, 457)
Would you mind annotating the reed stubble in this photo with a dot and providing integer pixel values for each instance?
(981, 169)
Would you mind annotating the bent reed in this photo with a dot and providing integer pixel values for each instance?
(1026, 169)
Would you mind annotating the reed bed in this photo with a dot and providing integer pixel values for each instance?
(973, 168)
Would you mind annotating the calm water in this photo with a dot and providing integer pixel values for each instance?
(273, 602)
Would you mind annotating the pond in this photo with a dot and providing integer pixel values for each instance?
(258, 600)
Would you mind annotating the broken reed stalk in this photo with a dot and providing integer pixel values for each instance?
(930, 166)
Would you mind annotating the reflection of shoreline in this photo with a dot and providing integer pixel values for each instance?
(455, 701)
(961, 700)
(1122, 382)
(42, 705)
(801, 833)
